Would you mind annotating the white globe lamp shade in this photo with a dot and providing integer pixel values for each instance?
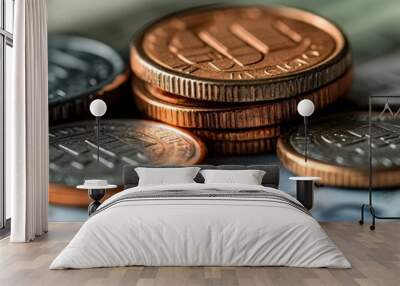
(98, 107)
(305, 107)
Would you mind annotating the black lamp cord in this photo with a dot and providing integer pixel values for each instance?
(305, 138)
(98, 137)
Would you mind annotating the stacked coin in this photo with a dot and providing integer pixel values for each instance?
(234, 75)
(79, 70)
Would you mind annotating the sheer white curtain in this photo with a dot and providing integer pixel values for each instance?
(27, 123)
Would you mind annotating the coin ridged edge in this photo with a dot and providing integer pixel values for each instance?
(238, 135)
(240, 92)
(337, 176)
(240, 116)
(242, 147)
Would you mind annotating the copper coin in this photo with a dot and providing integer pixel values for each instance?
(339, 150)
(242, 147)
(238, 134)
(240, 54)
(73, 151)
(183, 112)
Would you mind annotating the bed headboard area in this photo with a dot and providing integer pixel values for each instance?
(271, 178)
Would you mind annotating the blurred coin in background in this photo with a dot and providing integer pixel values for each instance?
(81, 69)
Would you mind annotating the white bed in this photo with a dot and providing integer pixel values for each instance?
(206, 230)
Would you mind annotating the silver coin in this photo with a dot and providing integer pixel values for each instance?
(73, 149)
(79, 68)
(343, 140)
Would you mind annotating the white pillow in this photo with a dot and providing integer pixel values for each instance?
(248, 177)
(165, 176)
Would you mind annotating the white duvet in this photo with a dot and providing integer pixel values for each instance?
(200, 231)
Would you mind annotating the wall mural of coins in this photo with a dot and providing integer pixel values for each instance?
(231, 76)
(221, 86)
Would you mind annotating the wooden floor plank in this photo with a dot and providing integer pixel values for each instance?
(375, 257)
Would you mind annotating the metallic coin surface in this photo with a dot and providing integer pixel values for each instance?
(339, 150)
(238, 134)
(242, 147)
(183, 112)
(79, 69)
(240, 54)
(73, 149)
